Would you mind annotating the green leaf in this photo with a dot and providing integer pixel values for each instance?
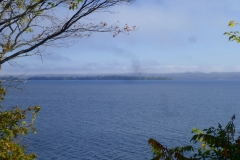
(231, 37)
(194, 138)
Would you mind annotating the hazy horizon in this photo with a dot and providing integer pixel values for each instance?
(129, 74)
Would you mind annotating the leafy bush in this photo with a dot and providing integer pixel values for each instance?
(216, 144)
(13, 123)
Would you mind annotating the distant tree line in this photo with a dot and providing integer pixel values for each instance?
(99, 78)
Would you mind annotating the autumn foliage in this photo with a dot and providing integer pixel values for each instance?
(14, 124)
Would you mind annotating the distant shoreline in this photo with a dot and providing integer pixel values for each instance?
(167, 76)
(99, 78)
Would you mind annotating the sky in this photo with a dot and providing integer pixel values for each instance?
(173, 36)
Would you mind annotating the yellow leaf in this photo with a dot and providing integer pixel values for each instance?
(231, 24)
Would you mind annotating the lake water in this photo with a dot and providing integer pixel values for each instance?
(113, 120)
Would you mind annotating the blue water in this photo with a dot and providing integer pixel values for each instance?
(108, 120)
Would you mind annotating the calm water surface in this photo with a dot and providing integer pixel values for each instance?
(113, 120)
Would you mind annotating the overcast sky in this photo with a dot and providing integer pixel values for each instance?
(172, 36)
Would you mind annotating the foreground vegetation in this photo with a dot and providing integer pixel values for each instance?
(14, 124)
(216, 144)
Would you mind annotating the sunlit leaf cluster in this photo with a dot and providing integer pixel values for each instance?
(233, 35)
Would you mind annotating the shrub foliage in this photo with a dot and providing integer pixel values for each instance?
(13, 125)
(216, 144)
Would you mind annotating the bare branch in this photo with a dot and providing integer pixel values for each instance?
(38, 17)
